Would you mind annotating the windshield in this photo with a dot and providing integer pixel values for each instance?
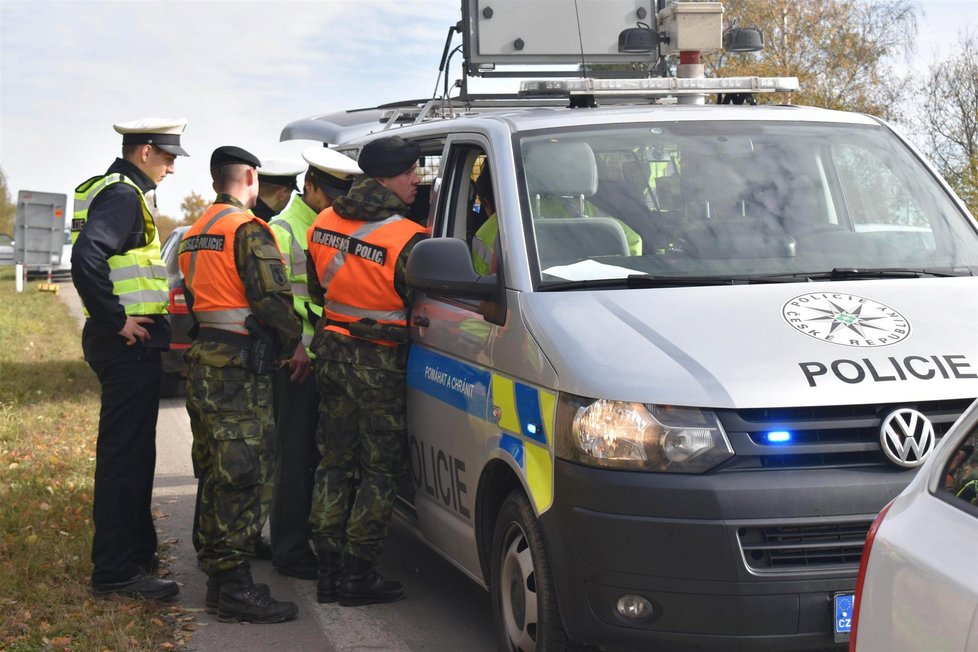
(737, 200)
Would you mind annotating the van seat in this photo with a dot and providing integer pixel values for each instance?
(561, 241)
(738, 238)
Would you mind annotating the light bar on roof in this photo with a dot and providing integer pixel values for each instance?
(660, 86)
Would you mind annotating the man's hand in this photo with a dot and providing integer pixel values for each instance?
(133, 329)
(300, 364)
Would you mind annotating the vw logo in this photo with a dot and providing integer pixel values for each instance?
(907, 437)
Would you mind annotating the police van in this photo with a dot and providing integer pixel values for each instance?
(715, 339)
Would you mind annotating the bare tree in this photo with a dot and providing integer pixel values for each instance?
(948, 120)
(839, 49)
(193, 206)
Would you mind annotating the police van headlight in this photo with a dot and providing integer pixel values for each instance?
(638, 436)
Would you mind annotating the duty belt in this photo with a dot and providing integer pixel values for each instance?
(239, 340)
(369, 329)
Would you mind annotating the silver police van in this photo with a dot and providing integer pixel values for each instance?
(708, 344)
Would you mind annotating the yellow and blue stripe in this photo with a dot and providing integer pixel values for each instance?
(523, 413)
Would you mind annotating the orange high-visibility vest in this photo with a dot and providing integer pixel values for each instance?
(207, 262)
(355, 262)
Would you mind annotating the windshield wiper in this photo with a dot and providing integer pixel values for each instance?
(858, 273)
(650, 281)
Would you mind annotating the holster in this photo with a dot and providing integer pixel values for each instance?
(263, 353)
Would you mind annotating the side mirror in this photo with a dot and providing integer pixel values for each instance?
(443, 267)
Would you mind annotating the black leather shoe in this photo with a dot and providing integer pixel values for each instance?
(362, 584)
(142, 587)
(241, 602)
(263, 549)
(303, 568)
(214, 594)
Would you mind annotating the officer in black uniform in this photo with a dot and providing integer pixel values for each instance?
(122, 340)
(276, 183)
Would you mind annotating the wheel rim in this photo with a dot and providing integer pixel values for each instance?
(517, 591)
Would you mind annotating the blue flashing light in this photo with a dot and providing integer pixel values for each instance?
(778, 437)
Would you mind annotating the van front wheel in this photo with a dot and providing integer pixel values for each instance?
(524, 606)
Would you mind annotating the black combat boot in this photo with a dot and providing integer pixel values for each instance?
(330, 565)
(240, 600)
(214, 593)
(362, 584)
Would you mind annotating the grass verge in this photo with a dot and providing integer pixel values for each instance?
(49, 404)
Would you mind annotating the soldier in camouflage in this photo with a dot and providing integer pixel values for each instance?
(360, 248)
(241, 299)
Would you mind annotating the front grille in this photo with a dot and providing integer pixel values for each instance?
(783, 548)
(822, 436)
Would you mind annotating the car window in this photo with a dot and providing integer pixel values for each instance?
(737, 198)
(961, 472)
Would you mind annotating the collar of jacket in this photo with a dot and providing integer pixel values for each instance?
(224, 198)
(129, 169)
(369, 201)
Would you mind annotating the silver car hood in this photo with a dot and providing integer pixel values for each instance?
(785, 344)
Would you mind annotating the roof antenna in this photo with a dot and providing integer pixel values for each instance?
(581, 101)
(580, 40)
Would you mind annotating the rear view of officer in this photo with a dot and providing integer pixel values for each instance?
(329, 176)
(359, 247)
(239, 295)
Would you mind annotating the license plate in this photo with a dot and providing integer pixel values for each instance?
(843, 616)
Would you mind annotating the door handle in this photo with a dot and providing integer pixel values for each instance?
(420, 321)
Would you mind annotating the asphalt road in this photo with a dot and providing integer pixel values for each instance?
(444, 610)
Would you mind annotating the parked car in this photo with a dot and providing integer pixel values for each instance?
(174, 367)
(918, 582)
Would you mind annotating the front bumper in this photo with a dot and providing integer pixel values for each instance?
(679, 542)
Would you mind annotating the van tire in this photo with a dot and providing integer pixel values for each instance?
(524, 605)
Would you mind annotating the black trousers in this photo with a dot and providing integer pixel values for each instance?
(296, 416)
(125, 461)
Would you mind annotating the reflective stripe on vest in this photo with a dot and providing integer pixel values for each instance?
(340, 258)
(219, 295)
(290, 227)
(138, 275)
(361, 313)
(356, 262)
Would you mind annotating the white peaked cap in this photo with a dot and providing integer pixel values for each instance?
(164, 133)
(281, 167)
(331, 162)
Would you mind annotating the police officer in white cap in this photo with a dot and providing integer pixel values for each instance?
(328, 177)
(116, 267)
(276, 181)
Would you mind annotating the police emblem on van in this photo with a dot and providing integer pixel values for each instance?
(907, 437)
(846, 319)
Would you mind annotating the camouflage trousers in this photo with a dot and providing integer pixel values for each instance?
(233, 453)
(362, 432)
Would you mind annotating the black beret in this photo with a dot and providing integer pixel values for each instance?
(388, 156)
(229, 154)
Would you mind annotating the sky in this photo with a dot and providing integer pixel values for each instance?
(238, 71)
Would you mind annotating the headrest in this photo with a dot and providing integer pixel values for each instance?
(558, 169)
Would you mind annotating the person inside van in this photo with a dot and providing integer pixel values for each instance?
(484, 242)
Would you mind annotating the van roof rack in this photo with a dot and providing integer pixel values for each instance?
(343, 126)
